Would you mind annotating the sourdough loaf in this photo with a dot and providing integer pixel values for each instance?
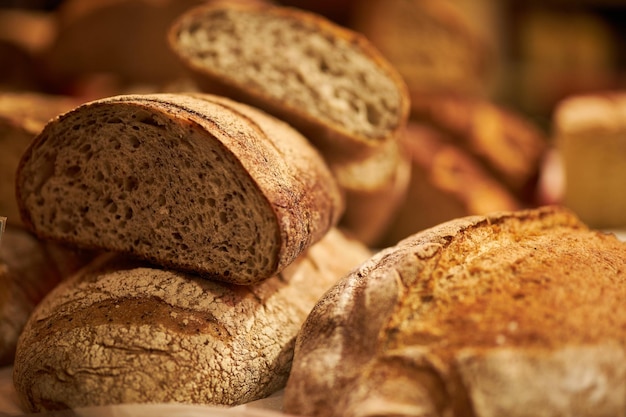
(510, 314)
(328, 82)
(445, 182)
(122, 331)
(29, 269)
(436, 46)
(589, 133)
(198, 183)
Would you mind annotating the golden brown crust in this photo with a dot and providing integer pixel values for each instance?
(426, 324)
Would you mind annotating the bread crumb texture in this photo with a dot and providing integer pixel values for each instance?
(331, 74)
(482, 316)
(179, 181)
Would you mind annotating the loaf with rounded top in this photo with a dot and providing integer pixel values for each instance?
(29, 269)
(513, 313)
(122, 331)
(195, 182)
(327, 81)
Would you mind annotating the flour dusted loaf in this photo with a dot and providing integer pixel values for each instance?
(122, 331)
(198, 183)
(511, 314)
(590, 137)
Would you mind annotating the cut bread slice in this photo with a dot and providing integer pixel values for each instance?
(195, 182)
(509, 314)
(327, 81)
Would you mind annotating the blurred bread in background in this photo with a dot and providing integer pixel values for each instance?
(590, 137)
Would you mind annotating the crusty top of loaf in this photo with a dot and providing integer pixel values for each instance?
(123, 331)
(523, 285)
(312, 73)
(193, 181)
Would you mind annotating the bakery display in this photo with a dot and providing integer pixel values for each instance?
(436, 46)
(125, 332)
(236, 165)
(483, 316)
(589, 134)
(196, 182)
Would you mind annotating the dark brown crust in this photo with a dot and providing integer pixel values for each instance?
(302, 193)
(333, 141)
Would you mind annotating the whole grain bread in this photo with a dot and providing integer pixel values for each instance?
(510, 314)
(122, 331)
(323, 79)
(327, 81)
(196, 182)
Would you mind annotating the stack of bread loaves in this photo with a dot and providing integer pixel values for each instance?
(219, 223)
(328, 82)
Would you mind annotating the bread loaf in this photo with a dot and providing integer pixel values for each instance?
(122, 331)
(510, 314)
(507, 143)
(589, 134)
(326, 81)
(436, 46)
(198, 183)
(29, 269)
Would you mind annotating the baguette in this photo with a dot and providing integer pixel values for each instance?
(194, 182)
(510, 314)
(122, 331)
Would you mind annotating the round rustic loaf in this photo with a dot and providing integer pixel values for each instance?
(122, 331)
(196, 182)
(511, 314)
(29, 269)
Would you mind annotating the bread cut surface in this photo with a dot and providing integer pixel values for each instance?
(123, 332)
(327, 81)
(199, 183)
(514, 313)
